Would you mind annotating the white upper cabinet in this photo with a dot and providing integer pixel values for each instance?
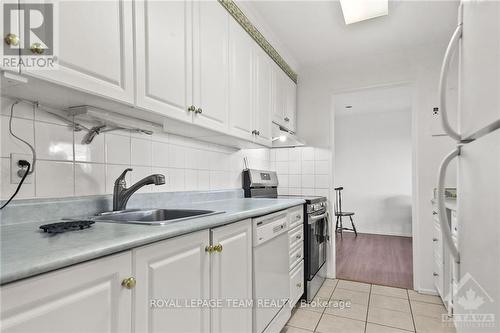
(211, 65)
(263, 105)
(291, 104)
(232, 277)
(88, 297)
(241, 69)
(94, 48)
(285, 94)
(279, 94)
(163, 48)
(174, 269)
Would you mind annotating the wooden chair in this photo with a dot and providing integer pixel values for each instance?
(339, 213)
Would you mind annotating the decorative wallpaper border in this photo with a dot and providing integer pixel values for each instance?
(241, 18)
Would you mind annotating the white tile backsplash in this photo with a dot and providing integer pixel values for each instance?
(53, 142)
(22, 128)
(117, 149)
(308, 181)
(54, 179)
(308, 167)
(307, 153)
(176, 156)
(94, 152)
(67, 167)
(140, 151)
(90, 179)
(306, 171)
(176, 180)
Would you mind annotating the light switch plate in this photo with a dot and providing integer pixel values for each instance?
(14, 168)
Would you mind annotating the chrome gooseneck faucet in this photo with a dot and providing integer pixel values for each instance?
(121, 193)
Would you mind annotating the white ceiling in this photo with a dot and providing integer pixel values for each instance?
(314, 32)
(380, 99)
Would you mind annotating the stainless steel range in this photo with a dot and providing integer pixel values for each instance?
(264, 184)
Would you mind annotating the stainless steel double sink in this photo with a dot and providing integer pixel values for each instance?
(153, 216)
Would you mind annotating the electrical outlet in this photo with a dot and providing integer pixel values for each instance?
(14, 168)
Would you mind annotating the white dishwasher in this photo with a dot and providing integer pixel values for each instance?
(271, 288)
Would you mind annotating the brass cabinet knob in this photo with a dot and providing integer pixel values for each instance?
(298, 237)
(298, 217)
(218, 248)
(434, 213)
(435, 239)
(435, 274)
(192, 108)
(129, 283)
(36, 48)
(11, 39)
(209, 248)
(299, 284)
(254, 132)
(287, 119)
(198, 110)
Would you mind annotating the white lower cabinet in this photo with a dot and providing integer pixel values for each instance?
(153, 288)
(295, 218)
(296, 283)
(231, 277)
(176, 270)
(88, 297)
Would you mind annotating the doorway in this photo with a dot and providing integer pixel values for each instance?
(373, 165)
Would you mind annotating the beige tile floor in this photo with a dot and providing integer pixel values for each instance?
(374, 309)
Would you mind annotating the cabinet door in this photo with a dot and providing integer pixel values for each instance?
(163, 57)
(94, 48)
(290, 104)
(279, 95)
(87, 297)
(232, 277)
(10, 58)
(263, 96)
(210, 64)
(175, 269)
(241, 48)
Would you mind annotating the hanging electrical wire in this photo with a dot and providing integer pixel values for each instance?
(30, 167)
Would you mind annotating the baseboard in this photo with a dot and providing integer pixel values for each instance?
(383, 233)
(432, 292)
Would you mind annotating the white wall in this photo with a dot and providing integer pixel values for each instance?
(65, 167)
(373, 164)
(420, 68)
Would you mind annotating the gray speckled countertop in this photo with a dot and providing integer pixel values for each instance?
(28, 251)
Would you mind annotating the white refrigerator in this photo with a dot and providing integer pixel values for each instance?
(475, 247)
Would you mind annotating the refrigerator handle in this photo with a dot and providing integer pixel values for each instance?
(443, 218)
(450, 50)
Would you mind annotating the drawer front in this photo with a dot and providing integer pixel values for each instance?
(295, 216)
(296, 283)
(296, 236)
(296, 255)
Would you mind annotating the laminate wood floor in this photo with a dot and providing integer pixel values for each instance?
(377, 259)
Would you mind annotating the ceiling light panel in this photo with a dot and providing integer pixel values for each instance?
(360, 10)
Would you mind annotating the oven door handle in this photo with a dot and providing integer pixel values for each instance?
(312, 219)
